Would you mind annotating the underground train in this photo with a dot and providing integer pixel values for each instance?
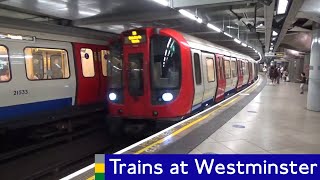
(162, 74)
(47, 77)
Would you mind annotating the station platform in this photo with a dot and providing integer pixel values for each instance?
(262, 119)
(274, 122)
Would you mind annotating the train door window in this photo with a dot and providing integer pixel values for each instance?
(197, 68)
(227, 69)
(241, 67)
(5, 74)
(87, 62)
(244, 71)
(222, 74)
(43, 63)
(104, 61)
(210, 69)
(234, 69)
(135, 74)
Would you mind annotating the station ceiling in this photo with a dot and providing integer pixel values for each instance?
(251, 21)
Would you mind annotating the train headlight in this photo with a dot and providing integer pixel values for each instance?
(167, 97)
(112, 96)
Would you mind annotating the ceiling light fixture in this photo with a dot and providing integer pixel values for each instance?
(282, 6)
(274, 33)
(190, 15)
(231, 27)
(244, 45)
(237, 41)
(213, 27)
(227, 34)
(162, 2)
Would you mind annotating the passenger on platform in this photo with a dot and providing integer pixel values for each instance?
(265, 70)
(278, 74)
(4, 74)
(273, 74)
(303, 81)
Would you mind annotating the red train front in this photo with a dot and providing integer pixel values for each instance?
(146, 69)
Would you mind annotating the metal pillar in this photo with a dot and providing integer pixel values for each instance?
(313, 103)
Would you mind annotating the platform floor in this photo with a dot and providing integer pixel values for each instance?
(275, 122)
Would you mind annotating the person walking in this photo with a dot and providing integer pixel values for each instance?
(303, 81)
(272, 74)
(278, 75)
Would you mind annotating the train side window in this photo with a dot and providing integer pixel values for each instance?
(197, 68)
(5, 74)
(227, 69)
(44, 63)
(87, 62)
(210, 69)
(234, 69)
(104, 61)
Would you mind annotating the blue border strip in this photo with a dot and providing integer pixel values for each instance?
(32, 108)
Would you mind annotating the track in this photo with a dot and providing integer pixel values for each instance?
(60, 155)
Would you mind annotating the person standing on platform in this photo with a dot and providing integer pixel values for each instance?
(303, 81)
(272, 74)
(278, 74)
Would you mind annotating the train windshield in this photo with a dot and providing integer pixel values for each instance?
(165, 63)
(115, 61)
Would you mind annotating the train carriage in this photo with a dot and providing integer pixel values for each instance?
(164, 74)
(50, 77)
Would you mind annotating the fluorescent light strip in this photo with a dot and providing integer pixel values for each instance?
(190, 15)
(162, 2)
(227, 34)
(213, 27)
(237, 41)
(282, 6)
(243, 44)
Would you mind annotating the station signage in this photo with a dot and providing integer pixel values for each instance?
(134, 37)
(275, 54)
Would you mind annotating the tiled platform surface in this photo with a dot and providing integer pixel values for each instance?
(275, 122)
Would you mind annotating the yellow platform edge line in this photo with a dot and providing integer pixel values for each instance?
(193, 123)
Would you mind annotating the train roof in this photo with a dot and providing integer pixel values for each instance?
(205, 45)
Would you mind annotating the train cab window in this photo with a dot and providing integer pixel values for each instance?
(197, 68)
(44, 64)
(5, 74)
(87, 62)
(227, 69)
(210, 69)
(234, 69)
(104, 61)
(115, 65)
(165, 62)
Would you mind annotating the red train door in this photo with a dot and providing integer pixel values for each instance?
(137, 91)
(102, 64)
(90, 78)
(221, 78)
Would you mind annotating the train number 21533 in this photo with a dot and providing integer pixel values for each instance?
(20, 92)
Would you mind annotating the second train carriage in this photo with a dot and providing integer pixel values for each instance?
(165, 74)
